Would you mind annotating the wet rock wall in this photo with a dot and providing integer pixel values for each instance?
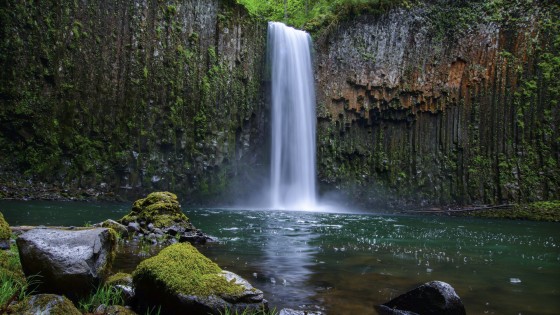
(446, 102)
(126, 97)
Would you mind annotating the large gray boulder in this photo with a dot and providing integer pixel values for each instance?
(431, 298)
(71, 263)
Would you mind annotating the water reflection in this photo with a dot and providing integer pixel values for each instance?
(288, 256)
(346, 263)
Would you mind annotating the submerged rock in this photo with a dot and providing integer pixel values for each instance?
(431, 298)
(183, 281)
(46, 304)
(67, 262)
(159, 215)
(5, 233)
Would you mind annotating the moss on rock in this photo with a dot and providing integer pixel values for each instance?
(162, 209)
(12, 278)
(46, 304)
(182, 269)
(5, 231)
(115, 226)
(120, 278)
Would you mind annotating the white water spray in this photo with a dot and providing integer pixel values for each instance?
(293, 119)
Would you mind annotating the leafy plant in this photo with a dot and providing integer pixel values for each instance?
(13, 284)
(106, 295)
(153, 311)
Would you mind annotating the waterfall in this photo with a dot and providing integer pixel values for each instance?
(293, 118)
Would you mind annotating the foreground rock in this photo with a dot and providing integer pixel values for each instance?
(158, 217)
(289, 311)
(113, 310)
(123, 282)
(46, 304)
(5, 233)
(183, 281)
(432, 298)
(121, 230)
(71, 263)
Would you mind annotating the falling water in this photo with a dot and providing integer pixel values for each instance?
(293, 118)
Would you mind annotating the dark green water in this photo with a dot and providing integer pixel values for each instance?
(346, 263)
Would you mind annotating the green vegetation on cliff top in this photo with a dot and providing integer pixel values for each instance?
(313, 15)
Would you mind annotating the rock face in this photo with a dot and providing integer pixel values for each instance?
(67, 262)
(5, 233)
(159, 217)
(132, 97)
(182, 280)
(444, 102)
(46, 304)
(432, 298)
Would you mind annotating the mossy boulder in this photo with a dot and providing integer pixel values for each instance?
(120, 278)
(181, 280)
(5, 233)
(46, 304)
(120, 229)
(159, 217)
(162, 209)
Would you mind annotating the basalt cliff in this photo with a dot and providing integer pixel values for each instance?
(432, 102)
(119, 98)
(442, 104)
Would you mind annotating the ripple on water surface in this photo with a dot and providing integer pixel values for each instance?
(345, 263)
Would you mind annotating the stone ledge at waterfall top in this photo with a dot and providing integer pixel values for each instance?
(158, 217)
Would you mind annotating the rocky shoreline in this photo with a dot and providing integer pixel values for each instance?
(16, 188)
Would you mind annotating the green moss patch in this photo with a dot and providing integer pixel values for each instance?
(181, 269)
(46, 304)
(121, 278)
(162, 209)
(5, 231)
